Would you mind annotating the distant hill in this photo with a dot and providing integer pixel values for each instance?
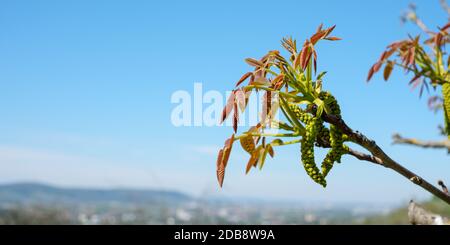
(30, 193)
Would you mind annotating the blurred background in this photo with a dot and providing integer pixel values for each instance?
(85, 113)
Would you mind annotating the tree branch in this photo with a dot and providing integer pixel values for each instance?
(398, 139)
(365, 157)
(419, 216)
(385, 160)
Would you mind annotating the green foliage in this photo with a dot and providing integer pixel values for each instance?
(287, 84)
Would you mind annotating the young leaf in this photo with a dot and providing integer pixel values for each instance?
(262, 159)
(243, 78)
(333, 38)
(235, 118)
(220, 168)
(248, 143)
(227, 150)
(388, 70)
(228, 108)
(251, 162)
(270, 150)
(253, 62)
(371, 72)
(319, 77)
(240, 99)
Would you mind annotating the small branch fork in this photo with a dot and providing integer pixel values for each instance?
(378, 156)
(444, 144)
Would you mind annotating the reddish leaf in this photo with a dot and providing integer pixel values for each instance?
(315, 61)
(235, 118)
(297, 60)
(227, 150)
(244, 77)
(320, 27)
(377, 66)
(305, 56)
(247, 143)
(270, 150)
(333, 38)
(228, 107)
(445, 27)
(371, 72)
(251, 162)
(253, 62)
(277, 79)
(329, 30)
(240, 99)
(316, 37)
(220, 168)
(219, 158)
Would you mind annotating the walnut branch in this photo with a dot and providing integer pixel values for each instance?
(365, 157)
(382, 157)
(398, 139)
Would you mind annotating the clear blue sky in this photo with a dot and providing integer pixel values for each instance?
(85, 92)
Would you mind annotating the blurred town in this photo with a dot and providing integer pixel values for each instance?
(41, 204)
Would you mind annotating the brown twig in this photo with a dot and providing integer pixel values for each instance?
(385, 160)
(365, 157)
(444, 144)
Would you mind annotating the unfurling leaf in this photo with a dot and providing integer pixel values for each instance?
(305, 56)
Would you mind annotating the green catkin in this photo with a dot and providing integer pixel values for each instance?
(304, 117)
(316, 131)
(446, 105)
(335, 136)
(307, 152)
(300, 114)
